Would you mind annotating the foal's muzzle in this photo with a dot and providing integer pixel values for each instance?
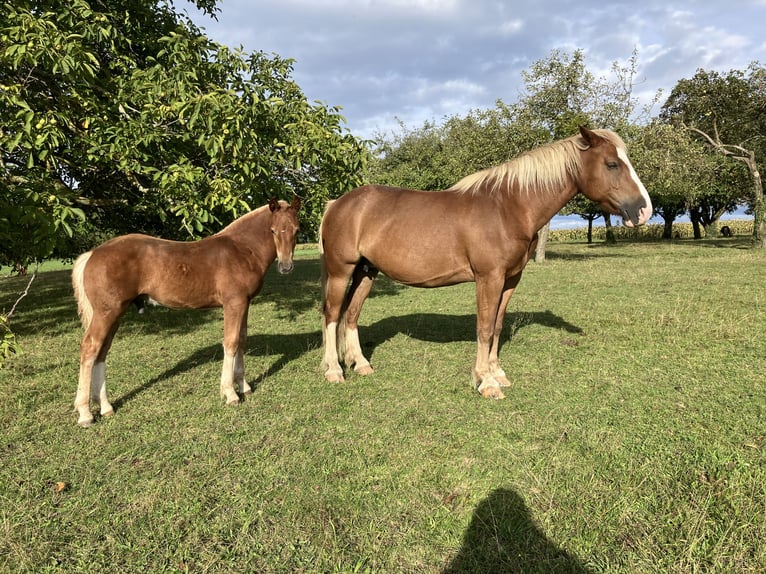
(285, 267)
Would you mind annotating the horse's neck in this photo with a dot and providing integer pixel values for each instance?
(540, 206)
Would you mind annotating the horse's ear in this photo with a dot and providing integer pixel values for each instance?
(591, 138)
(296, 204)
(273, 204)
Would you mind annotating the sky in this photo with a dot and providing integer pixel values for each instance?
(410, 61)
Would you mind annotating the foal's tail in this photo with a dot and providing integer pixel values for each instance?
(84, 308)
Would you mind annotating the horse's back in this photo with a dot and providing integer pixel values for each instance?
(415, 237)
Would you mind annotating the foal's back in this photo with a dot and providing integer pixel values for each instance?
(178, 274)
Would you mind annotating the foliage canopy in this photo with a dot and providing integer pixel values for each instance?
(123, 116)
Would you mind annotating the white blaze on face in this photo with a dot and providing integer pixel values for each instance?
(646, 212)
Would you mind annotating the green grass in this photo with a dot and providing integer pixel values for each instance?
(633, 439)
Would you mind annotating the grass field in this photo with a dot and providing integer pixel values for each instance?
(633, 439)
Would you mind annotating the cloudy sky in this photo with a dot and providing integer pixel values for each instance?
(416, 60)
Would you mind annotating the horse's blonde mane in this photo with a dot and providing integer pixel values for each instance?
(543, 169)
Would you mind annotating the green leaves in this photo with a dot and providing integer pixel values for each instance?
(135, 121)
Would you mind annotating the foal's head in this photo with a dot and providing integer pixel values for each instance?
(284, 230)
(608, 178)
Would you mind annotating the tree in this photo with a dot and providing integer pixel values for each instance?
(728, 111)
(120, 120)
(675, 169)
(562, 94)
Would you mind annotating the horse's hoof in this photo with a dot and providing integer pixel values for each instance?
(109, 413)
(85, 423)
(492, 393)
(232, 402)
(503, 381)
(364, 371)
(334, 378)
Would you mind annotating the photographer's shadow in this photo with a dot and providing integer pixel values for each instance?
(503, 538)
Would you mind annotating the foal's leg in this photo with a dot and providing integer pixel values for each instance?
(233, 316)
(91, 383)
(361, 284)
(98, 383)
(239, 358)
(489, 292)
(494, 363)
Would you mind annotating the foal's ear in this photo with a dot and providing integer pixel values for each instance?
(296, 204)
(591, 138)
(273, 204)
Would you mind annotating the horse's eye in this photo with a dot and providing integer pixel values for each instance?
(612, 165)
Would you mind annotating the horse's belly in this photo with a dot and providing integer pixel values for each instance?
(426, 272)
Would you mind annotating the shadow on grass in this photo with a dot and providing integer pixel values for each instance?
(430, 327)
(438, 328)
(287, 347)
(503, 538)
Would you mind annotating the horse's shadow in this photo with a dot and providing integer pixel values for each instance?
(503, 538)
(438, 328)
(287, 348)
(429, 327)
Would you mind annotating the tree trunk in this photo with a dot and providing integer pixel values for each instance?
(610, 238)
(542, 240)
(667, 230)
(759, 222)
(746, 156)
(590, 231)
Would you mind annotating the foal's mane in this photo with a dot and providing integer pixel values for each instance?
(542, 169)
(245, 219)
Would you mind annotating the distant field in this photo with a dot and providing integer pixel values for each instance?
(632, 440)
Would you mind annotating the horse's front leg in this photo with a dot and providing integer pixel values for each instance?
(233, 315)
(494, 363)
(489, 292)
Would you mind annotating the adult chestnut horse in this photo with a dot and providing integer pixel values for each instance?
(483, 229)
(223, 270)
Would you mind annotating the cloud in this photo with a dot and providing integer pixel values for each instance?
(420, 60)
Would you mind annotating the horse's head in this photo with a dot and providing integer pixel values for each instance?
(284, 230)
(608, 178)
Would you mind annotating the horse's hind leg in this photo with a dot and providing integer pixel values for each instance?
(334, 292)
(92, 378)
(361, 285)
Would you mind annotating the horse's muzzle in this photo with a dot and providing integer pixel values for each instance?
(636, 214)
(285, 267)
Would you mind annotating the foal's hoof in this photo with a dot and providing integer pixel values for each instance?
(492, 393)
(364, 371)
(85, 423)
(232, 402)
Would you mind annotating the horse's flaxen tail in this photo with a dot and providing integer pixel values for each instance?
(323, 277)
(84, 308)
